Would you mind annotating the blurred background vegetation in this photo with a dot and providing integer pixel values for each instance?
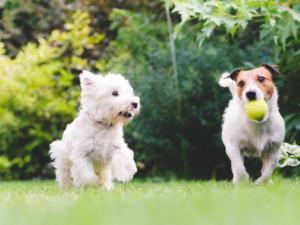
(46, 43)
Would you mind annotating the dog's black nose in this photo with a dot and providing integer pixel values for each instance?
(251, 95)
(134, 104)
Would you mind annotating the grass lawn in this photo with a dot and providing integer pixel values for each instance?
(176, 202)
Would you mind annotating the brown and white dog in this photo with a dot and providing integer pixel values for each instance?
(246, 137)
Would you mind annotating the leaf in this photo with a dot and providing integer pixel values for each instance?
(176, 30)
(249, 64)
(283, 151)
(294, 13)
(208, 30)
(216, 20)
(292, 162)
(287, 27)
(272, 22)
(275, 39)
(266, 31)
(233, 30)
(282, 162)
(201, 38)
(290, 116)
(229, 24)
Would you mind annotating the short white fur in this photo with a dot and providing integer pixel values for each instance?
(245, 137)
(92, 151)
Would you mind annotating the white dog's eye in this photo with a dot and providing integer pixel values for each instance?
(115, 93)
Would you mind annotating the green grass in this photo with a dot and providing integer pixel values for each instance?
(142, 203)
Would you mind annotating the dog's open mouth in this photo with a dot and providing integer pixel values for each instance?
(125, 114)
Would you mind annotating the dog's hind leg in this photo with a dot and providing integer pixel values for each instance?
(270, 160)
(63, 175)
(62, 164)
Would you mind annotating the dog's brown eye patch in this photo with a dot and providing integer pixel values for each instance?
(261, 79)
(115, 93)
(241, 84)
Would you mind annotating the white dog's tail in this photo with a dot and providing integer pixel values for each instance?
(226, 81)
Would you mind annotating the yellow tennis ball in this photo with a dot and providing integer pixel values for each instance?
(256, 110)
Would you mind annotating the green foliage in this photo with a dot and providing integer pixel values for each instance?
(38, 97)
(289, 91)
(24, 21)
(175, 202)
(289, 155)
(279, 20)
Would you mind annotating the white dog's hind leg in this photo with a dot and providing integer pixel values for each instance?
(82, 171)
(237, 164)
(105, 177)
(63, 175)
(122, 164)
(270, 161)
(62, 164)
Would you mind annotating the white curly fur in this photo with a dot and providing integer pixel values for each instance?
(92, 151)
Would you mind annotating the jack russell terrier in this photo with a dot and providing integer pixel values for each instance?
(246, 137)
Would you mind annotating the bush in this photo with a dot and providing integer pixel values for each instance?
(38, 97)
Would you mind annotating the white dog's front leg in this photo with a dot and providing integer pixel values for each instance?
(82, 171)
(105, 177)
(237, 164)
(270, 160)
(122, 164)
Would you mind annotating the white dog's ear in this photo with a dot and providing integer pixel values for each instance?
(87, 79)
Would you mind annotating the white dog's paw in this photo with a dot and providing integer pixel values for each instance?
(123, 166)
(108, 185)
(123, 176)
(242, 178)
(262, 180)
(85, 180)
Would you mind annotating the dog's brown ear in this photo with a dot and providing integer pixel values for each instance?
(272, 68)
(233, 74)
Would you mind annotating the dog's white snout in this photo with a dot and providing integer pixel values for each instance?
(252, 93)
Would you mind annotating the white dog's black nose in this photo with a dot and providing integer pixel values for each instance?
(134, 104)
(251, 95)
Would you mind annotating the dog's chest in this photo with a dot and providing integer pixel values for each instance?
(255, 142)
(104, 142)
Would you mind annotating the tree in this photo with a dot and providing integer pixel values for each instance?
(279, 20)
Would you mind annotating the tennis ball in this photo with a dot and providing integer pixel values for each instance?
(256, 110)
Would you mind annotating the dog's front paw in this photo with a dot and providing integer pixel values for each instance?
(108, 185)
(123, 176)
(242, 178)
(262, 180)
(123, 166)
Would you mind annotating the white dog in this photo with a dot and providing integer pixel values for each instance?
(92, 151)
(245, 137)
